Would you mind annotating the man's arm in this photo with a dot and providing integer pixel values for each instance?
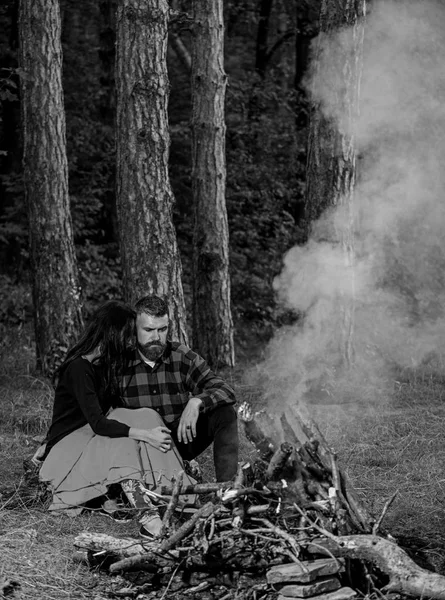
(202, 383)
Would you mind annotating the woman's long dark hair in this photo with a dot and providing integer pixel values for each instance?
(111, 328)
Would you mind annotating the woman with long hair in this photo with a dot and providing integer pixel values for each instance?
(93, 442)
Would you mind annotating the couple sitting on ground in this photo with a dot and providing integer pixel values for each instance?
(129, 407)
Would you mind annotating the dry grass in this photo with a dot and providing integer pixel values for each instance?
(396, 445)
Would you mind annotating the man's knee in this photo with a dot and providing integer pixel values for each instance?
(221, 417)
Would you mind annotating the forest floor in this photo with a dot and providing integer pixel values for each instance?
(395, 446)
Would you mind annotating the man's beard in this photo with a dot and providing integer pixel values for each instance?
(152, 351)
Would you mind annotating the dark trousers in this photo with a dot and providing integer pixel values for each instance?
(220, 427)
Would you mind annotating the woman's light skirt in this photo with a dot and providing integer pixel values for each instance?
(83, 465)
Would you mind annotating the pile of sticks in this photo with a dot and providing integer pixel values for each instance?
(290, 507)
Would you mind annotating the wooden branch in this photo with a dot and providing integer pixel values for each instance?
(147, 561)
(257, 509)
(357, 507)
(180, 50)
(290, 539)
(278, 461)
(159, 550)
(379, 521)
(239, 508)
(166, 520)
(231, 495)
(197, 488)
(255, 425)
(124, 553)
(203, 513)
(278, 43)
(320, 458)
(98, 542)
(405, 576)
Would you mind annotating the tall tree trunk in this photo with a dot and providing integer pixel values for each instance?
(263, 37)
(149, 251)
(181, 51)
(53, 262)
(331, 151)
(107, 55)
(212, 318)
(107, 102)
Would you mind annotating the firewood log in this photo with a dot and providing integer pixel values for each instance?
(317, 469)
(166, 520)
(159, 550)
(105, 549)
(278, 461)
(255, 428)
(239, 505)
(308, 432)
(405, 576)
(197, 488)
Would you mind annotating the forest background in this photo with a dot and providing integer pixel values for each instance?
(387, 421)
(265, 149)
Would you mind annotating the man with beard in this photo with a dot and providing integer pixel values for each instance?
(195, 404)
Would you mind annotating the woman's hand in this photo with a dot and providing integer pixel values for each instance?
(38, 456)
(159, 437)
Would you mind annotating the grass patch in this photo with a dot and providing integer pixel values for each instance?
(397, 446)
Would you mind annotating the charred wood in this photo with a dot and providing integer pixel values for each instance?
(278, 461)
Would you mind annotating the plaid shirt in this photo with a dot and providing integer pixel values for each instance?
(176, 377)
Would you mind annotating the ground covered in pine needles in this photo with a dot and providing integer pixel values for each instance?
(395, 446)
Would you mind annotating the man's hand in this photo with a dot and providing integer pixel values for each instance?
(159, 437)
(187, 424)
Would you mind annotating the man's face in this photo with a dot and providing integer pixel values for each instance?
(152, 335)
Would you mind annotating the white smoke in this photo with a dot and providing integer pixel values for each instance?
(399, 220)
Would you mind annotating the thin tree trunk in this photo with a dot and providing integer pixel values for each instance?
(149, 252)
(261, 57)
(212, 318)
(181, 51)
(107, 102)
(331, 151)
(55, 287)
(107, 55)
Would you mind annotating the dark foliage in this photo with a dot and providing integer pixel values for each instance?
(265, 146)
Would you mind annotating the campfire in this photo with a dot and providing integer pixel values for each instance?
(289, 526)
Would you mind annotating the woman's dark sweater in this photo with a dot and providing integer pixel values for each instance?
(78, 400)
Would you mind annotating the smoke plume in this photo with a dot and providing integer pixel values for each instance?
(398, 276)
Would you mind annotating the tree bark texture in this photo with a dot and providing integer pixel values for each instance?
(107, 55)
(331, 150)
(56, 294)
(149, 252)
(262, 37)
(405, 576)
(212, 318)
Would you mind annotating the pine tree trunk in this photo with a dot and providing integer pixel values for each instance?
(149, 252)
(331, 151)
(262, 37)
(212, 318)
(55, 287)
(107, 55)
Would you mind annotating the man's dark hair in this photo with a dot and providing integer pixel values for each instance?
(152, 305)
